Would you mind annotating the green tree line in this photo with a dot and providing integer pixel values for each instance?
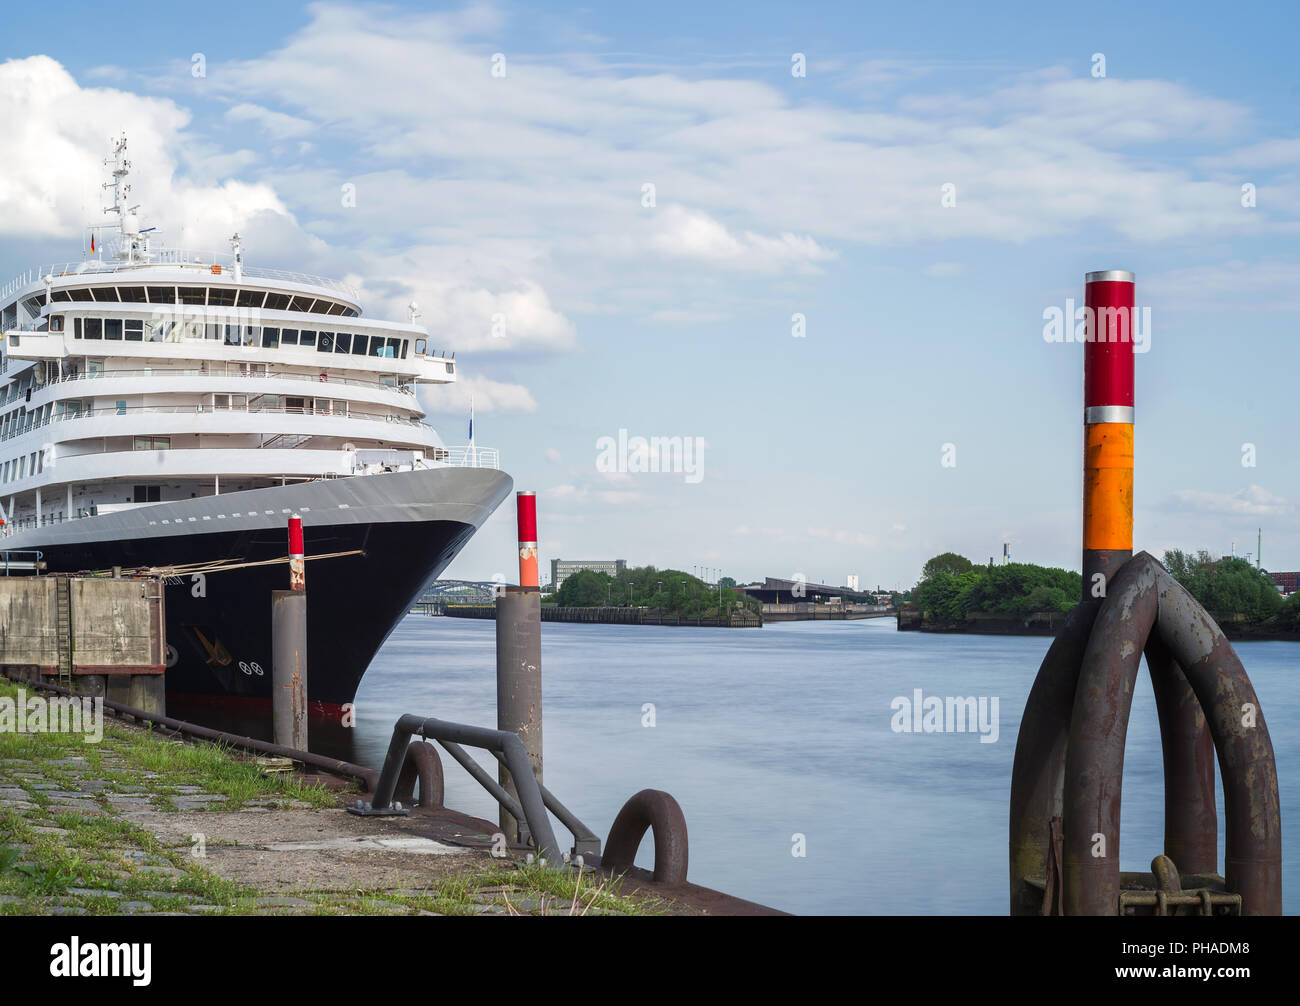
(952, 588)
(1288, 616)
(1229, 586)
(667, 590)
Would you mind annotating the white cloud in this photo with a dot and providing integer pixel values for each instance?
(1256, 157)
(694, 235)
(1234, 285)
(1252, 501)
(769, 178)
(57, 136)
(461, 312)
(570, 493)
(518, 199)
(678, 316)
(489, 396)
(617, 498)
(277, 124)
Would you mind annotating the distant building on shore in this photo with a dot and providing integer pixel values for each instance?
(1287, 583)
(562, 569)
(775, 590)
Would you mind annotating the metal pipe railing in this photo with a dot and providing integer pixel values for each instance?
(531, 807)
(585, 841)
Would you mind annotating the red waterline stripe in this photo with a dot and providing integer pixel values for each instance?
(252, 704)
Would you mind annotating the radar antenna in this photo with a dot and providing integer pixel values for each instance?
(133, 246)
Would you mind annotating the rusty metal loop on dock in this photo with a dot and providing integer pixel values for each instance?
(421, 765)
(1038, 773)
(1145, 600)
(657, 811)
(1070, 753)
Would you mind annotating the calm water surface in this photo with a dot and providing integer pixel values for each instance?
(763, 734)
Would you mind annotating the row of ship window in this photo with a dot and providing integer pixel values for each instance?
(34, 463)
(199, 295)
(20, 420)
(263, 337)
(255, 335)
(24, 386)
(20, 468)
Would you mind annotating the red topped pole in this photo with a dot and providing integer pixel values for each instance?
(527, 504)
(1108, 357)
(297, 560)
(1108, 428)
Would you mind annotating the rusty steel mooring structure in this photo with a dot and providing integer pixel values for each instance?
(1069, 763)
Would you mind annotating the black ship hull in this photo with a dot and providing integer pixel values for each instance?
(402, 528)
(219, 624)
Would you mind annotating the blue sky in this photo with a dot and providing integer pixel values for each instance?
(522, 196)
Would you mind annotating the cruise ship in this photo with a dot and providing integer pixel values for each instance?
(170, 410)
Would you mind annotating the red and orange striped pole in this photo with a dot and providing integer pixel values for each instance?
(527, 504)
(1108, 429)
(297, 560)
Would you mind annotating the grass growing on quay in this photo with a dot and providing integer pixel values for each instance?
(82, 832)
(530, 889)
(64, 848)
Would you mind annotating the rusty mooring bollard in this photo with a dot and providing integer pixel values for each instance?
(655, 811)
(1069, 761)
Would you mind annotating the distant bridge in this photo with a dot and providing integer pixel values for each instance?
(775, 590)
(443, 592)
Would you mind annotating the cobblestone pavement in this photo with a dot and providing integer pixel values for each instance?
(141, 824)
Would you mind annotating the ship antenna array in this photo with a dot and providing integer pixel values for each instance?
(134, 242)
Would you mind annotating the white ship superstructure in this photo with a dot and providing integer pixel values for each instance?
(155, 376)
(161, 408)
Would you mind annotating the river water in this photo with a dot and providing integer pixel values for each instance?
(766, 734)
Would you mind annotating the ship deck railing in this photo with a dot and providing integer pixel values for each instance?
(200, 409)
(468, 457)
(12, 394)
(21, 561)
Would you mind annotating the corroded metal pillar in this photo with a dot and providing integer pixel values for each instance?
(289, 668)
(519, 657)
(289, 649)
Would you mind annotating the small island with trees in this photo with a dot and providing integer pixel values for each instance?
(956, 595)
(641, 595)
(670, 591)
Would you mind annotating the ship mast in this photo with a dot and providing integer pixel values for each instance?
(133, 245)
